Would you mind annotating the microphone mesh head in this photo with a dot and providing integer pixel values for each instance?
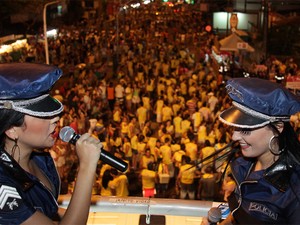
(214, 215)
(66, 133)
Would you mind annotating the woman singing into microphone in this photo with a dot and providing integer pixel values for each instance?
(29, 181)
(268, 173)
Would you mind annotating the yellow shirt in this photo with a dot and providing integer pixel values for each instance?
(117, 142)
(176, 108)
(124, 128)
(146, 102)
(175, 147)
(146, 160)
(207, 151)
(164, 137)
(166, 154)
(185, 126)
(202, 134)
(134, 142)
(177, 124)
(159, 106)
(151, 144)
(141, 146)
(191, 150)
(183, 88)
(106, 191)
(141, 114)
(167, 113)
(103, 168)
(117, 116)
(120, 185)
(170, 93)
(128, 93)
(177, 157)
(150, 87)
(127, 149)
(131, 128)
(187, 174)
(160, 87)
(148, 178)
(197, 118)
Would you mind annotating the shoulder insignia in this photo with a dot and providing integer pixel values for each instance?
(9, 198)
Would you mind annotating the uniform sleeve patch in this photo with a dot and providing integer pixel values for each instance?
(9, 198)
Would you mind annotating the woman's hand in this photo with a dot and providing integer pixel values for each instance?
(227, 221)
(88, 150)
(204, 221)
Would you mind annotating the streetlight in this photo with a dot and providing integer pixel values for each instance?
(45, 29)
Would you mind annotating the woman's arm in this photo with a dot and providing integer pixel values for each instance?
(88, 151)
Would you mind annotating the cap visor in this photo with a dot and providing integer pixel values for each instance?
(44, 108)
(233, 116)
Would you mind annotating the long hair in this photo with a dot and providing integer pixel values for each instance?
(106, 178)
(288, 140)
(8, 119)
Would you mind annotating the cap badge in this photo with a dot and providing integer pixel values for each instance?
(231, 90)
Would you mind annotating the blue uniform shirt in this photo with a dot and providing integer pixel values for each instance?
(17, 203)
(255, 199)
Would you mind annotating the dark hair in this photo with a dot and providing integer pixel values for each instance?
(167, 139)
(288, 139)
(185, 159)
(149, 133)
(106, 178)
(182, 146)
(8, 119)
(223, 137)
(207, 142)
(191, 135)
(230, 175)
(114, 171)
(141, 138)
(209, 169)
(151, 166)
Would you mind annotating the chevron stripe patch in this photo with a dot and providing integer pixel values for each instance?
(9, 198)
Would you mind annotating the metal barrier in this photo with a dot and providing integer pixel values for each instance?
(147, 206)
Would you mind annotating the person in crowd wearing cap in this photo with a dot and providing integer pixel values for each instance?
(29, 181)
(268, 172)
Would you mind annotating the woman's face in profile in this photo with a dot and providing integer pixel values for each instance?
(37, 132)
(253, 142)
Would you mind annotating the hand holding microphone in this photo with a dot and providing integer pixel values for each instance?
(88, 150)
(214, 216)
(67, 134)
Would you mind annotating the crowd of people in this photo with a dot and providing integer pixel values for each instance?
(153, 99)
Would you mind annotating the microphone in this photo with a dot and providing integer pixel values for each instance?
(67, 134)
(214, 215)
(233, 150)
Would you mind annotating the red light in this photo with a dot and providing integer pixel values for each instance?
(208, 28)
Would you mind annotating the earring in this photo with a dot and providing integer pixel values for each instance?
(274, 152)
(14, 148)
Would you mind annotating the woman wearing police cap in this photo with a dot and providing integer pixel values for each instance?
(268, 173)
(29, 182)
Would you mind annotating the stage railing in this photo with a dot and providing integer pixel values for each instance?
(152, 206)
